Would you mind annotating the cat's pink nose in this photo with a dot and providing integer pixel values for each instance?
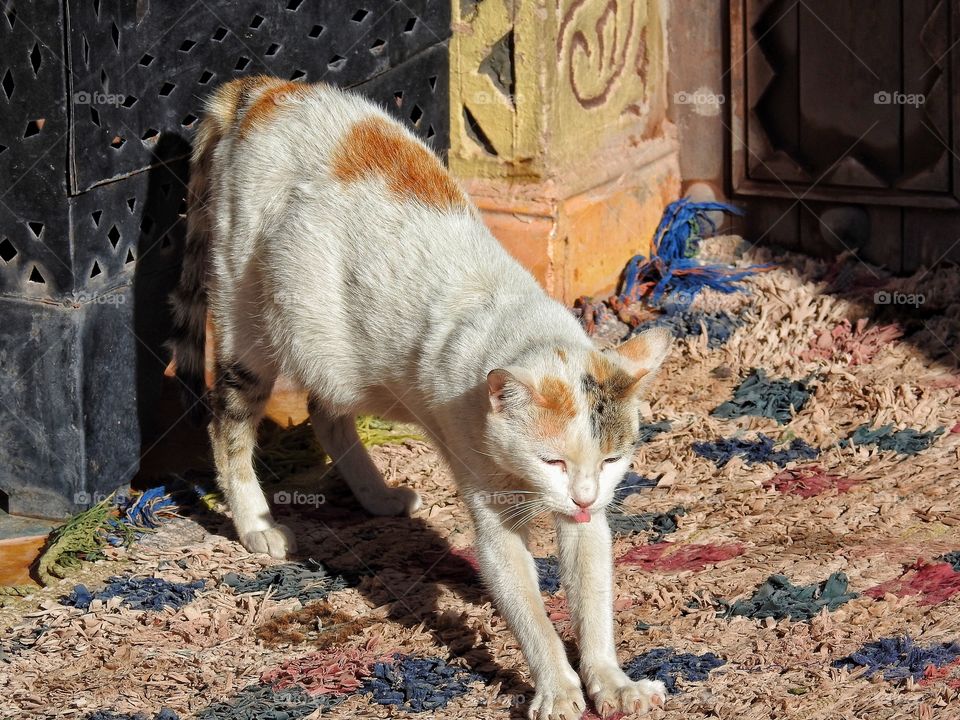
(583, 502)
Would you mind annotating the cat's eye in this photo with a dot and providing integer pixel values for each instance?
(556, 463)
(609, 460)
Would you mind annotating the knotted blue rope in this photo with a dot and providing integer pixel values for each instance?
(146, 512)
(671, 269)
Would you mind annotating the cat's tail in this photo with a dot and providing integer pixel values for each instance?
(189, 301)
(224, 112)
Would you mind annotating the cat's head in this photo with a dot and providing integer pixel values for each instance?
(567, 419)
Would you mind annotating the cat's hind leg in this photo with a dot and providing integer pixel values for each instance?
(237, 400)
(338, 437)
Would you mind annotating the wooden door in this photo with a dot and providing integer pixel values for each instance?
(843, 127)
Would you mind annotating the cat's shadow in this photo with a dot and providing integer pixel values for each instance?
(399, 564)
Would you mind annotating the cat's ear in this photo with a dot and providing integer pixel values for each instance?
(643, 354)
(510, 388)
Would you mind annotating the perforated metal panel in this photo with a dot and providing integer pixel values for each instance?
(154, 70)
(34, 232)
(138, 74)
(99, 100)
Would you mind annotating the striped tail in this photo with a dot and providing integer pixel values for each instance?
(189, 301)
(224, 110)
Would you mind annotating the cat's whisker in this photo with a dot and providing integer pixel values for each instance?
(532, 515)
(518, 512)
(522, 496)
(536, 509)
(517, 509)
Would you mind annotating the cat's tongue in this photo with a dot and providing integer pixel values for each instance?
(582, 517)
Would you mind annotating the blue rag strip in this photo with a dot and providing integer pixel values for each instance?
(137, 593)
(632, 483)
(777, 399)
(417, 684)
(953, 558)
(548, 573)
(899, 658)
(754, 451)
(308, 580)
(666, 664)
(671, 268)
(906, 442)
(778, 598)
(164, 714)
(648, 431)
(719, 326)
(144, 512)
(264, 702)
(660, 524)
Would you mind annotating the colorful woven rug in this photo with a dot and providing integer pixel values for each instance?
(789, 548)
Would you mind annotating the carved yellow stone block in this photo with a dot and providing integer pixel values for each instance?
(537, 86)
(559, 130)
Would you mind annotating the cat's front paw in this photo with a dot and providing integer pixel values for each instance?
(276, 541)
(613, 691)
(557, 701)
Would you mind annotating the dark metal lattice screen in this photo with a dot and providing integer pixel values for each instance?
(98, 103)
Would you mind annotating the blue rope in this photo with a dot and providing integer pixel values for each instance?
(671, 268)
(146, 509)
(146, 512)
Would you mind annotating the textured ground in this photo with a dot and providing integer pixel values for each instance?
(762, 587)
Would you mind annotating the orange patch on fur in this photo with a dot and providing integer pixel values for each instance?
(555, 405)
(373, 148)
(636, 349)
(561, 353)
(225, 103)
(268, 101)
(557, 397)
(601, 368)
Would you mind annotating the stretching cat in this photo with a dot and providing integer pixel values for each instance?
(333, 247)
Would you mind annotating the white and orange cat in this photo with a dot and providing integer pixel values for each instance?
(331, 246)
